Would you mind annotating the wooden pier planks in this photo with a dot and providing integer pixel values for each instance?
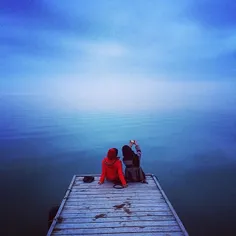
(140, 209)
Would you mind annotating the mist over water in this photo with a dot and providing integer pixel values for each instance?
(192, 153)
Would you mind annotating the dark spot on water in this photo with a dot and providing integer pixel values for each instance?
(100, 216)
(141, 227)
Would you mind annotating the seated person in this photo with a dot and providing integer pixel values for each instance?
(112, 168)
(133, 171)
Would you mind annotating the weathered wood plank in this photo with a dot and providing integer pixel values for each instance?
(115, 213)
(117, 193)
(119, 197)
(111, 198)
(107, 197)
(128, 189)
(95, 182)
(110, 183)
(93, 201)
(72, 219)
(89, 214)
(106, 182)
(107, 187)
(103, 200)
(96, 179)
(116, 207)
(138, 229)
(80, 178)
(98, 175)
(132, 234)
(113, 202)
(132, 209)
(116, 224)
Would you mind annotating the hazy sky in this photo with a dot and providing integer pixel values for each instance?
(146, 52)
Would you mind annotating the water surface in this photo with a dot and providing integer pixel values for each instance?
(191, 152)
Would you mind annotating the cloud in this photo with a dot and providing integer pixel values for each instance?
(40, 40)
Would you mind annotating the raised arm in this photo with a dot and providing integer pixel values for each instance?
(137, 148)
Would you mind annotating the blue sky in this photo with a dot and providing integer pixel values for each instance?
(90, 50)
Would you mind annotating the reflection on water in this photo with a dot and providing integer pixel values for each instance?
(192, 153)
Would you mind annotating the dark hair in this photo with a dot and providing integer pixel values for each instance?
(129, 154)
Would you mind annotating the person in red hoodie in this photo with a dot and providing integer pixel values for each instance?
(112, 168)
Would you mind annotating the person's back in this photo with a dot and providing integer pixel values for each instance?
(133, 171)
(112, 168)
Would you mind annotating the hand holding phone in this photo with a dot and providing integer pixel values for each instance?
(132, 141)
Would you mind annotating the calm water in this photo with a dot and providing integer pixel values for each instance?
(193, 154)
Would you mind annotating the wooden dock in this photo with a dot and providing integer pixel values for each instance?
(92, 209)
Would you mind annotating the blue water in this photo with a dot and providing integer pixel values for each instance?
(193, 153)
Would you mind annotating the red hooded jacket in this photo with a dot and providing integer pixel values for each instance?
(112, 168)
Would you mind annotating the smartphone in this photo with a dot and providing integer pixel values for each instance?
(132, 141)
